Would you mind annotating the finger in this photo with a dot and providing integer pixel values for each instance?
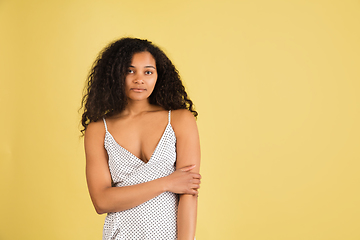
(195, 186)
(191, 191)
(196, 175)
(195, 193)
(196, 181)
(187, 168)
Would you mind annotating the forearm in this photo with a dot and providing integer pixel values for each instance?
(115, 199)
(186, 218)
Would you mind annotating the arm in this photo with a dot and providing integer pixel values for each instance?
(188, 153)
(113, 199)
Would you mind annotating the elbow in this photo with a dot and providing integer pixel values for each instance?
(102, 203)
(99, 210)
(99, 207)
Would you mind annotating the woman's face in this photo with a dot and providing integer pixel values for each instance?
(141, 76)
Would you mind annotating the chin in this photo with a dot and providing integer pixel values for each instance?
(138, 98)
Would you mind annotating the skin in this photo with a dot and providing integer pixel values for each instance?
(138, 129)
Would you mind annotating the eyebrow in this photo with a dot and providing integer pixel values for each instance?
(144, 67)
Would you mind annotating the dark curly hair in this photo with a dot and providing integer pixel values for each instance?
(104, 93)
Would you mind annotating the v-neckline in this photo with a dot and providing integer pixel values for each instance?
(162, 136)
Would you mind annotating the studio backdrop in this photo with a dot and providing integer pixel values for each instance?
(276, 84)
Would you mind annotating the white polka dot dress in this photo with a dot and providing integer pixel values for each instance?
(156, 218)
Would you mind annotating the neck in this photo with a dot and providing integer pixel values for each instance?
(137, 107)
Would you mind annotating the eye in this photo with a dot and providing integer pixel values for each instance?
(148, 72)
(130, 71)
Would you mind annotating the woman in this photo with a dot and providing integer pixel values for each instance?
(141, 143)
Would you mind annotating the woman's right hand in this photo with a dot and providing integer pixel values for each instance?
(182, 181)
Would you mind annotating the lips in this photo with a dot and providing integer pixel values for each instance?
(138, 89)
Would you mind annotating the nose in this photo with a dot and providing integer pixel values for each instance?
(138, 79)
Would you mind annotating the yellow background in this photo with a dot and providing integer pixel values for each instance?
(276, 84)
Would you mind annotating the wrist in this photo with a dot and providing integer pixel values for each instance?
(164, 183)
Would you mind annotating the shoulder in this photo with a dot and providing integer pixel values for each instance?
(181, 115)
(182, 121)
(95, 130)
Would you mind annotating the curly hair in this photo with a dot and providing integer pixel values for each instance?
(104, 93)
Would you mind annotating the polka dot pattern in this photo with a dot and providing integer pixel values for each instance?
(156, 218)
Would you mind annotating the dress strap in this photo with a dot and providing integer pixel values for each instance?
(105, 124)
(169, 115)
